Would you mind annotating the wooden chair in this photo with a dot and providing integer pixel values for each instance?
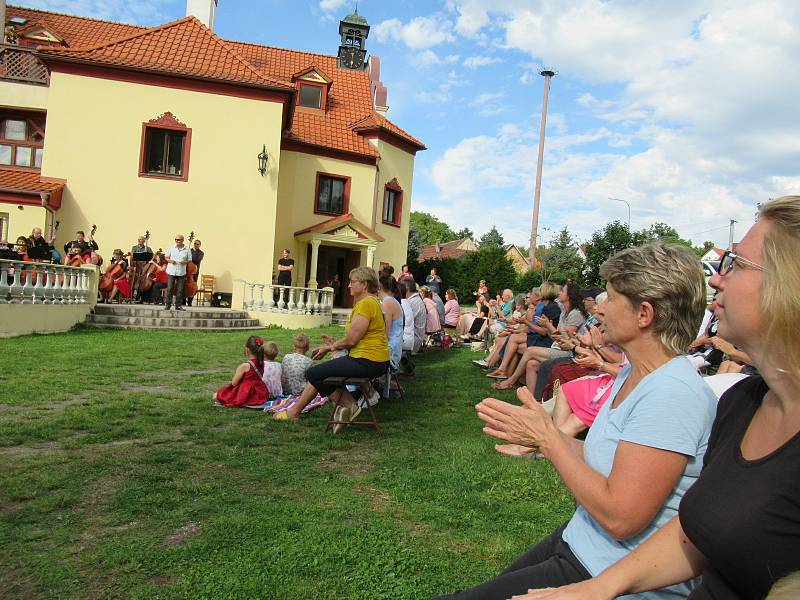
(342, 382)
(206, 288)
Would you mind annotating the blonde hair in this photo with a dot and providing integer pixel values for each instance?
(366, 275)
(670, 278)
(301, 342)
(270, 350)
(424, 291)
(787, 588)
(780, 297)
(549, 290)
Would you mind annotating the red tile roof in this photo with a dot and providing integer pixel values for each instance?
(77, 32)
(180, 48)
(448, 250)
(183, 47)
(26, 182)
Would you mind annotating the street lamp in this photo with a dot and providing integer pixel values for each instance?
(629, 209)
(548, 74)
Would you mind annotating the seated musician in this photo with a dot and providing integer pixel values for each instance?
(87, 247)
(153, 295)
(122, 286)
(21, 248)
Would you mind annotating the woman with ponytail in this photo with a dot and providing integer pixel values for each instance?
(246, 388)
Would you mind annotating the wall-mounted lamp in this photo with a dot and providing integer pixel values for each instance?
(262, 160)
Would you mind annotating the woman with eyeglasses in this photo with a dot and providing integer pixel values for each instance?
(738, 526)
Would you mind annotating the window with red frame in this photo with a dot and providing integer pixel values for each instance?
(164, 151)
(332, 194)
(392, 204)
(21, 142)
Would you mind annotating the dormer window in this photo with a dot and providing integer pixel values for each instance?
(312, 87)
(311, 95)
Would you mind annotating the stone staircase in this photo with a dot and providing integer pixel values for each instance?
(339, 316)
(197, 318)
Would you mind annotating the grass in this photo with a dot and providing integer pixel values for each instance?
(118, 479)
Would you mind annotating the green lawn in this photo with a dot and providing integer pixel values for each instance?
(118, 479)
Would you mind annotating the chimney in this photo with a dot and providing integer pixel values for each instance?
(204, 10)
(3, 20)
(438, 246)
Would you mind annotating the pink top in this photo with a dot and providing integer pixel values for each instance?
(432, 324)
(452, 313)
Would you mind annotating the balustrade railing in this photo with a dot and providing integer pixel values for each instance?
(21, 64)
(268, 297)
(39, 283)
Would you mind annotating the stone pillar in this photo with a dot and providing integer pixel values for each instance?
(312, 282)
(370, 255)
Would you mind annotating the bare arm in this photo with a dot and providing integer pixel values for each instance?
(624, 503)
(241, 370)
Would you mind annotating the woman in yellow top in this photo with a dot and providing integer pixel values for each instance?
(365, 338)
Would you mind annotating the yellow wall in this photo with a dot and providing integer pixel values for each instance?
(394, 163)
(94, 131)
(22, 222)
(297, 186)
(23, 95)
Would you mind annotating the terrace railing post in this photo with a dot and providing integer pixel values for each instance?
(16, 289)
(4, 287)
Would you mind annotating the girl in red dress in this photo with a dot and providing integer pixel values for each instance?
(246, 388)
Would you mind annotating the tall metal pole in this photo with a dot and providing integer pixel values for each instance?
(730, 235)
(629, 210)
(548, 74)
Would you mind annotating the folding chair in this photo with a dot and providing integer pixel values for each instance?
(341, 382)
(206, 288)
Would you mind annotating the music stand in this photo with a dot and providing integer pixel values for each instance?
(139, 259)
(41, 253)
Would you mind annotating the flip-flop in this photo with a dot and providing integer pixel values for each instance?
(284, 416)
(499, 386)
(496, 376)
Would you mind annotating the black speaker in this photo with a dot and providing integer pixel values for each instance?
(221, 299)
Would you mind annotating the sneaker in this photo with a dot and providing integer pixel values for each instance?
(342, 413)
(179, 308)
(168, 307)
(373, 398)
(480, 363)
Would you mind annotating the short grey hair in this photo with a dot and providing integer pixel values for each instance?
(670, 278)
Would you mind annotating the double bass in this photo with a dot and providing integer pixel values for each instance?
(93, 257)
(189, 284)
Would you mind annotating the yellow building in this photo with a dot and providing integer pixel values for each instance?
(172, 130)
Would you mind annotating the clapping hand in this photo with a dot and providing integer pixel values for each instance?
(591, 359)
(318, 353)
(527, 425)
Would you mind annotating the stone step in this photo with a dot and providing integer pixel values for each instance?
(172, 321)
(159, 328)
(134, 310)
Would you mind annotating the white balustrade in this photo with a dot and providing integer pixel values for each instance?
(49, 284)
(4, 287)
(16, 288)
(288, 299)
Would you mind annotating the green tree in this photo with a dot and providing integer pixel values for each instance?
(466, 232)
(430, 229)
(414, 245)
(615, 236)
(492, 239)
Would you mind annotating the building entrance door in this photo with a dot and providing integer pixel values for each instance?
(333, 261)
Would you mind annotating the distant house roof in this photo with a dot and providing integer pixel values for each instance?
(187, 48)
(454, 249)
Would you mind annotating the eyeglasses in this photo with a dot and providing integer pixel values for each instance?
(729, 260)
(178, 239)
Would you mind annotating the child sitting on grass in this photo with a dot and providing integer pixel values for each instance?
(295, 365)
(246, 388)
(272, 371)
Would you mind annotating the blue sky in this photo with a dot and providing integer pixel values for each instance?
(686, 109)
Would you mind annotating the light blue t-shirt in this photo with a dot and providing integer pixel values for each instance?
(671, 409)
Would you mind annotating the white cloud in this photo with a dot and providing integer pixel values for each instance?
(698, 99)
(473, 62)
(144, 12)
(331, 5)
(419, 33)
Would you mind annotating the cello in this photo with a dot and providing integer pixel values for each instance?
(114, 271)
(93, 257)
(147, 276)
(189, 284)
